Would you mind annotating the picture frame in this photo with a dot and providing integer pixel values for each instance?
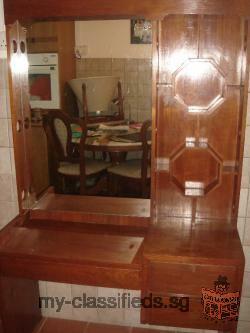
(141, 31)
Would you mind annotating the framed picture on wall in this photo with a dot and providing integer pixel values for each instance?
(141, 31)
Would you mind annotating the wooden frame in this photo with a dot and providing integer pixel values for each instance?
(135, 39)
(172, 247)
(17, 9)
(26, 186)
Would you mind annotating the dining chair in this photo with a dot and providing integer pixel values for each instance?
(137, 171)
(68, 159)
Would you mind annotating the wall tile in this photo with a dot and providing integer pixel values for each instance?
(243, 326)
(245, 180)
(6, 187)
(246, 239)
(42, 288)
(144, 103)
(248, 206)
(43, 293)
(131, 65)
(3, 103)
(3, 74)
(131, 89)
(144, 89)
(10, 133)
(245, 309)
(118, 65)
(8, 211)
(241, 227)
(60, 290)
(120, 75)
(248, 110)
(145, 76)
(243, 203)
(8, 105)
(110, 315)
(247, 258)
(132, 77)
(84, 314)
(134, 114)
(132, 315)
(4, 134)
(246, 286)
(5, 161)
(247, 142)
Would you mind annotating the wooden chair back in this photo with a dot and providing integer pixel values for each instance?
(70, 101)
(57, 125)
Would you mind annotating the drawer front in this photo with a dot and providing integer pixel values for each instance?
(185, 312)
(187, 279)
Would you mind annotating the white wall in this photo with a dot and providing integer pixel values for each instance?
(244, 228)
(3, 49)
(2, 26)
(8, 188)
(109, 39)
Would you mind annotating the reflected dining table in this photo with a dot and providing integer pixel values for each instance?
(114, 138)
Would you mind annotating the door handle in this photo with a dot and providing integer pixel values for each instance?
(18, 126)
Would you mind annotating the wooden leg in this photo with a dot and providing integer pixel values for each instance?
(104, 155)
(19, 300)
(112, 185)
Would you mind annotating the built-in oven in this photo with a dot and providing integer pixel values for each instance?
(44, 81)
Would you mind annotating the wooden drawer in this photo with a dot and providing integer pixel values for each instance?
(186, 278)
(194, 317)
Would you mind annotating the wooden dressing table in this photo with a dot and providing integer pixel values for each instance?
(170, 259)
(185, 238)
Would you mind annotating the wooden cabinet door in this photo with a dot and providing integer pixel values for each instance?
(19, 96)
(202, 82)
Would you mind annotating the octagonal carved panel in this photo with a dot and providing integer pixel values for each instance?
(199, 85)
(195, 171)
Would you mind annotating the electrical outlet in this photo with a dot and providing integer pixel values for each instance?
(3, 45)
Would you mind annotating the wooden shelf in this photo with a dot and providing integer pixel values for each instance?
(52, 325)
(90, 209)
(204, 241)
(73, 246)
(78, 257)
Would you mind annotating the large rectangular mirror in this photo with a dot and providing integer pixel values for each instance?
(91, 77)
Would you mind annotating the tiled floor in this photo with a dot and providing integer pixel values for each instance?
(52, 325)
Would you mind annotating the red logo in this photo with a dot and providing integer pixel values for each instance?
(219, 304)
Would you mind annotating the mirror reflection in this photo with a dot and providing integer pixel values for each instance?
(91, 100)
